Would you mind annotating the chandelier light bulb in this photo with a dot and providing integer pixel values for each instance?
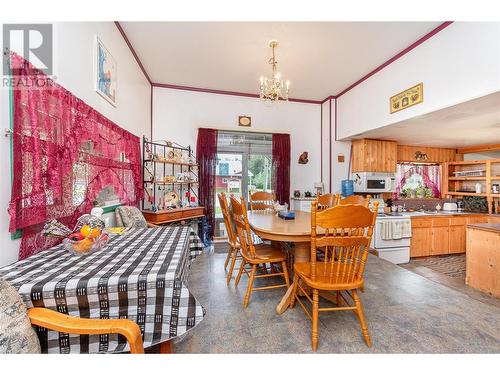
(273, 88)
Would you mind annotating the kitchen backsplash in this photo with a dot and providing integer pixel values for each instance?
(416, 204)
(475, 204)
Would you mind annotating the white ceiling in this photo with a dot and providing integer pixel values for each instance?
(470, 123)
(319, 58)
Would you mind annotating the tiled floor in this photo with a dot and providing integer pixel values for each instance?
(421, 267)
(405, 312)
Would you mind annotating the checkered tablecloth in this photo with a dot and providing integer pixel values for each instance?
(141, 275)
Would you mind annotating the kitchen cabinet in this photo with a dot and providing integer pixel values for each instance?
(371, 155)
(440, 240)
(301, 204)
(434, 154)
(457, 234)
(439, 235)
(457, 239)
(420, 244)
(483, 258)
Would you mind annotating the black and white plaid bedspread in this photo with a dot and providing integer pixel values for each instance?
(141, 275)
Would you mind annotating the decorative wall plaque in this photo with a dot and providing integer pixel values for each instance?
(407, 98)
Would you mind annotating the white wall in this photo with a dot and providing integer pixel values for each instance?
(178, 114)
(460, 63)
(338, 170)
(74, 69)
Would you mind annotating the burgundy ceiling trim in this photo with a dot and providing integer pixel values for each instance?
(399, 55)
(223, 92)
(321, 140)
(328, 98)
(119, 27)
(330, 143)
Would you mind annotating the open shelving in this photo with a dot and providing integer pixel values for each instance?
(161, 160)
(465, 185)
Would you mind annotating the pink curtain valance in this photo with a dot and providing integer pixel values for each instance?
(431, 177)
(65, 153)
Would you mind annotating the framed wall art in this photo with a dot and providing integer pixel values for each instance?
(105, 73)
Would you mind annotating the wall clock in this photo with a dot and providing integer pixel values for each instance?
(244, 121)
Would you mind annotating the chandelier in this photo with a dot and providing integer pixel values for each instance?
(273, 88)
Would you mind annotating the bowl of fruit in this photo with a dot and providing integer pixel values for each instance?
(87, 237)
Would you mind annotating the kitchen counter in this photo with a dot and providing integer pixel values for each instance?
(489, 227)
(483, 257)
(303, 198)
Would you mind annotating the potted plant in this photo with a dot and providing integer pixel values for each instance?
(420, 191)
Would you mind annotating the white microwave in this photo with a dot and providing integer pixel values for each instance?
(374, 182)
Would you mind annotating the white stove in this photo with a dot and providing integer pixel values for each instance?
(396, 251)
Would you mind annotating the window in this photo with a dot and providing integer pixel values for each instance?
(244, 164)
(418, 181)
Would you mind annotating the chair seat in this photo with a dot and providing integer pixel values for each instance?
(325, 278)
(267, 253)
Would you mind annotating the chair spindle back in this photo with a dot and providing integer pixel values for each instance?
(228, 222)
(243, 230)
(353, 199)
(326, 201)
(261, 201)
(345, 234)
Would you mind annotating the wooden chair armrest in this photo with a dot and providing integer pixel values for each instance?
(68, 324)
(152, 225)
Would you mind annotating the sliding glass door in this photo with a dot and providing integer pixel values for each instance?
(244, 165)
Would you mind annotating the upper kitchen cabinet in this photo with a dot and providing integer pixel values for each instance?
(371, 155)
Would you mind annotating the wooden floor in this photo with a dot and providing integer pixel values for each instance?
(405, 312)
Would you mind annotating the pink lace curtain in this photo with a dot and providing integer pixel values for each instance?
(431, 177)
(65, 153)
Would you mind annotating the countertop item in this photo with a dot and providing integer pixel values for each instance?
(490, 227)
(303, 198)
(154, 261)
(450, 206)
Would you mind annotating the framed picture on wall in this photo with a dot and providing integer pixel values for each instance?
(105, 72)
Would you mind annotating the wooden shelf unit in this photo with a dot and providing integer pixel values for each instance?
(156, 164)
(173, 215)
(458, 186)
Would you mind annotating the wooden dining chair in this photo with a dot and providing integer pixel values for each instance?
(255, 255)
(234, 248)
(326, 201)
(346, 232)
(352, 199)
(56, 321)
(261, 201)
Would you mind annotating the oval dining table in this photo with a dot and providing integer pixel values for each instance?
(267, 225)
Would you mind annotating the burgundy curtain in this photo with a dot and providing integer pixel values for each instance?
(206, 155)
(281, 167)
(65, 153)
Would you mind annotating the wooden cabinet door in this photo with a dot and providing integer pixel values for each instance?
(457, 239)
(421, 242)
(370, 155)
(440, 240)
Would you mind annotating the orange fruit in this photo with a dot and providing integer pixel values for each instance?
(89, 232)
(84, 245)
(85, 230)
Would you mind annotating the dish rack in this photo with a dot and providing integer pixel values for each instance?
(471, 173)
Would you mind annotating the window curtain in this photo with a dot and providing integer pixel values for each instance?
(206, 155)
(431, 177)
(281, 166)
(64, 154)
